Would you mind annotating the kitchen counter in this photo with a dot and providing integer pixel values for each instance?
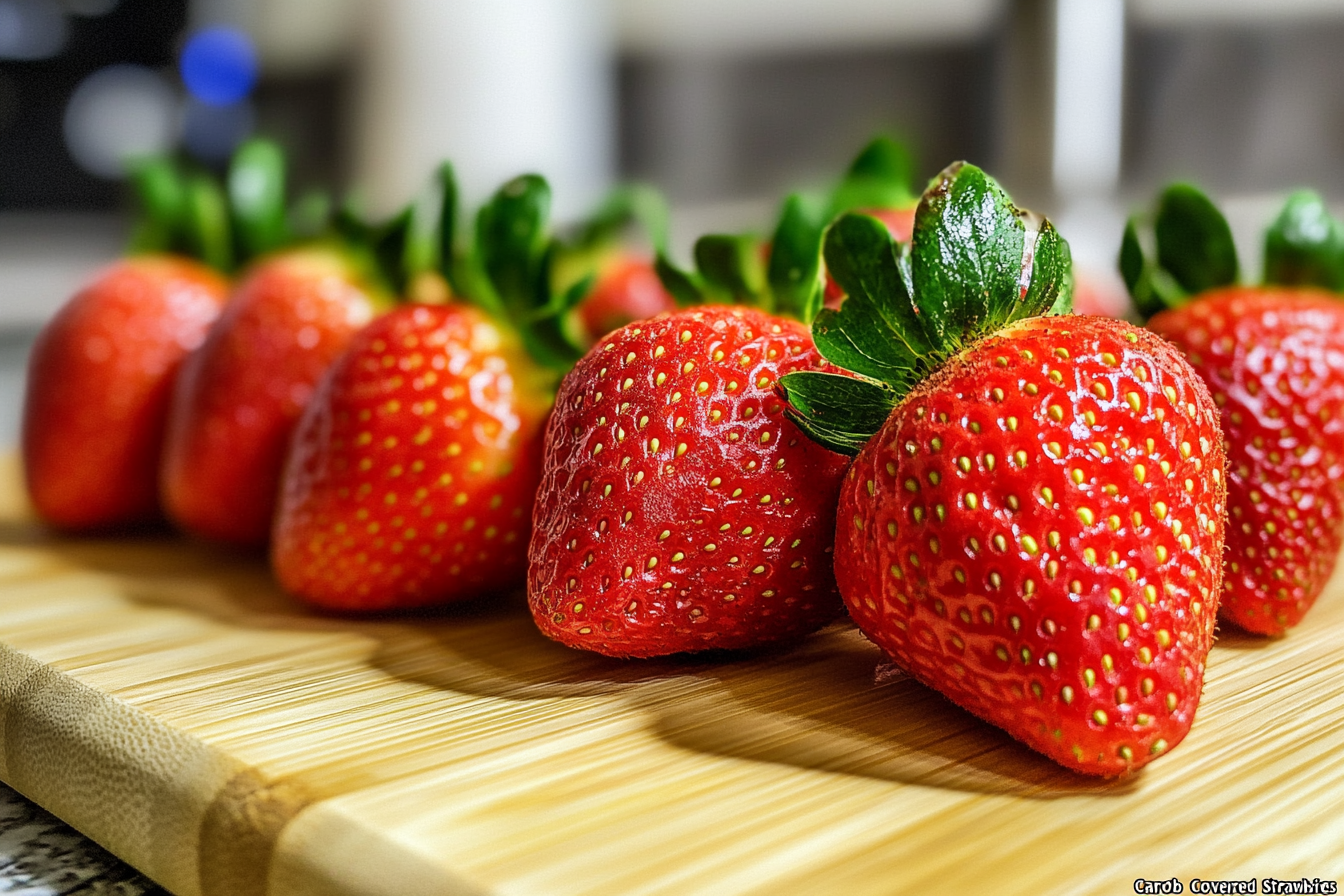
(42, 856)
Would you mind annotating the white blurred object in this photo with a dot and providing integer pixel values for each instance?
(1089, 84)
(499, 87)
(117, 113)
(744, 26)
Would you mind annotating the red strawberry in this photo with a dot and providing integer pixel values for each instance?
(414, 468)
(1035, 529)
(99, 380)
(679, 510)
(1273, 357)
(238, 396)
(627, 289)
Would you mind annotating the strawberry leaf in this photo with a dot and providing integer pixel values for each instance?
(687, 287)
(1194, 241)
(839, 412)
(878, 332)
(879, 177)
(1152, 288)
(160, 193)
(256, 188)
(208, 235)
(390, 244)
(310, 215)
(515, 256)
(511, 243)
(975, 264)
(1305, 246)
(731, 265)
(430, 239)
(978, 262)
(794, 269)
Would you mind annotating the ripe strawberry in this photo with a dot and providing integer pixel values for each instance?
(99, 380)
(412, 474)
(1035, 528)
(622, 283)
(627, 289)
(679, 510)
(239, 395)
(1273, 357)
(414, 467)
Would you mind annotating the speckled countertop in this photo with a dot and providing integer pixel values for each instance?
(42, 856)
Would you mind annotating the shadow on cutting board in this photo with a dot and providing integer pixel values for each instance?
(813, 705)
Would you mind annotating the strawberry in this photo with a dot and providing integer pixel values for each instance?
(99, 380)
(1033, 522)
(1273, 357)
(100, 374)
(623, 285)
(413, 470)
(627, 289)
(412, 474)
(239, 395)
(679, 511)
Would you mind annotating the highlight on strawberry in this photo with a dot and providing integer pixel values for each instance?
(101, 372)
(1033, 523)
(413, 470)
(293, 309)
(1272, 354)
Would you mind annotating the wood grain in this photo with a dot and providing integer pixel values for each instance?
(167, 699)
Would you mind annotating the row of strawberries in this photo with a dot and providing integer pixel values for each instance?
(1033, 520)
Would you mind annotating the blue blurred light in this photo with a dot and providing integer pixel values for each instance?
(219, 65)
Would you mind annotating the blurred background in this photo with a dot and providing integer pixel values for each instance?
(1081, 107)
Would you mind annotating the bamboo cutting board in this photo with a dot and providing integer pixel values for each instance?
(166, 699)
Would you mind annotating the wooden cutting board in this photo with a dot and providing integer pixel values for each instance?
(169, 701)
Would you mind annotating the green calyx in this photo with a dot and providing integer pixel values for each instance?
(531, 276)
(1186, 248)
(511, 272)
(787, 277)
(975, 264)
(502, 265)
(183, 211)
(226, 223)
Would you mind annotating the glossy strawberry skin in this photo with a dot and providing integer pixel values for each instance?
(679, 509)
(98, 387)
(626, 290)
(1055, 573)
(238, 396)
(1274, 360)
(414, 468)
